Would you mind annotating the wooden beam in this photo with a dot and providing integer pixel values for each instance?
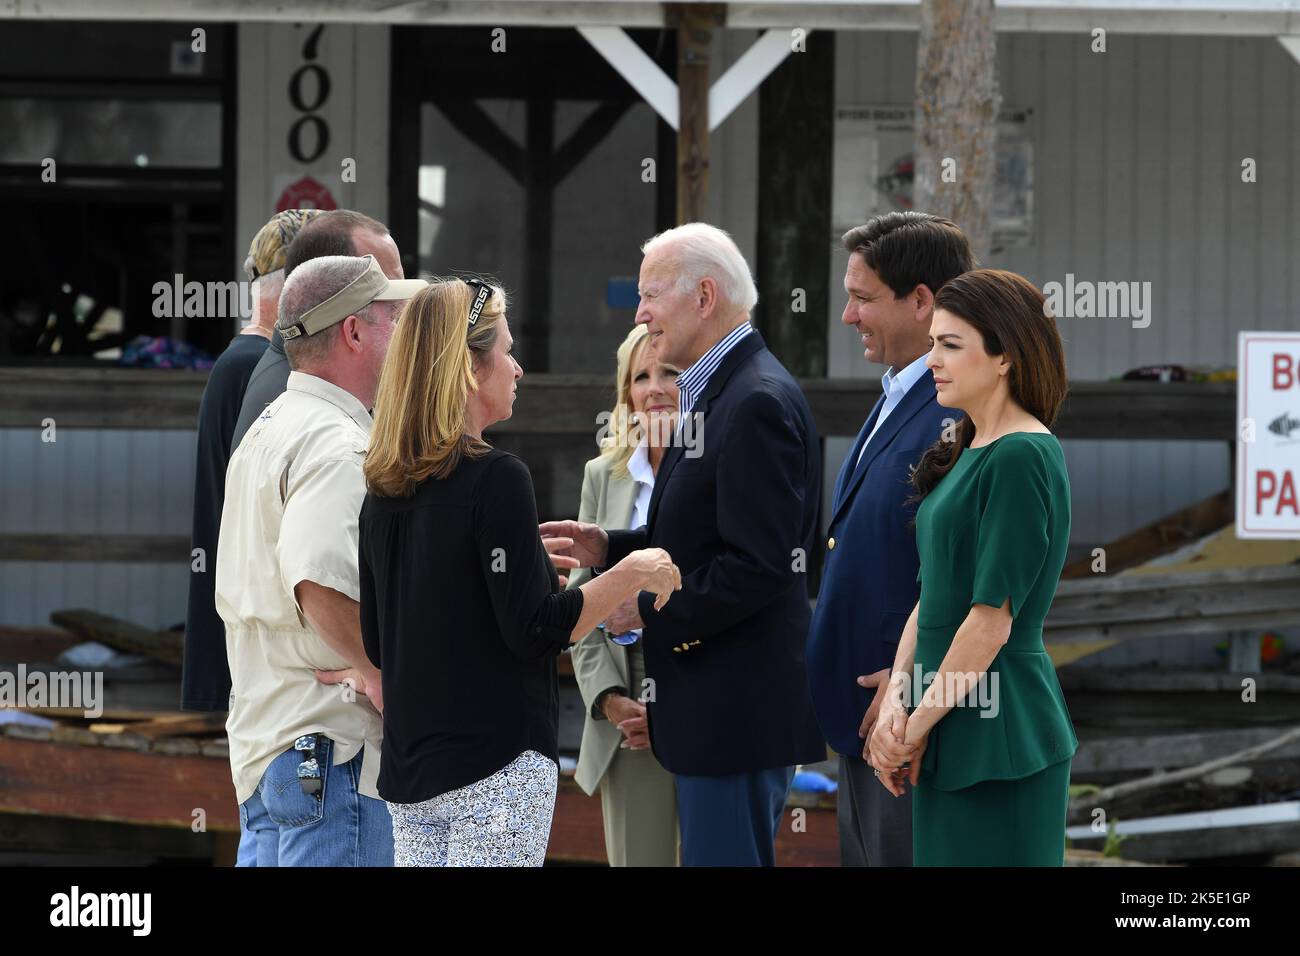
(638, 69)
(1150, 410)
(171, 725)
(539, 230)
(99, 397)
(589, 134)
(92, 840)
(795, 150)
(695, 23)
(106, 783)
(1266, 18)
(81, 398)
(1166, 778)
(1161, 536)
(404, 146)
(125, 548)
(476, 125)
(749, 71)
(1201, 844)
(1122, 754)
(126, 714)
(166, 646)
(1152, 681)
(1125, 608)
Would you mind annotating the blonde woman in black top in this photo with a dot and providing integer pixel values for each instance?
(461, 608)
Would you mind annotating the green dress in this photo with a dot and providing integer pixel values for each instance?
(995, 775)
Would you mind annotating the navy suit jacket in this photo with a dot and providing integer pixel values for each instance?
(726, 654)
(869, 580)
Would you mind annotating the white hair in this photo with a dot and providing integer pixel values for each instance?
(699, 251)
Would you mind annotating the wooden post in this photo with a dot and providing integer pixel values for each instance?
(795, 147)
(695, 23)
(539, 222)
(404, 146)
(957, 104)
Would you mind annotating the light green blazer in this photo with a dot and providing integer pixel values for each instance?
(599, 663)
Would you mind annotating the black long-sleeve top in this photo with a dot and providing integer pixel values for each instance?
(205, 674)
(461, 610)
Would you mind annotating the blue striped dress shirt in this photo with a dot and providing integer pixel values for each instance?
(692, 382)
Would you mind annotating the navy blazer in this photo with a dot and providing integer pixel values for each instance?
(869, 580)
(726, 654)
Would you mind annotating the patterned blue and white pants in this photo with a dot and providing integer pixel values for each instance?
(503, 820)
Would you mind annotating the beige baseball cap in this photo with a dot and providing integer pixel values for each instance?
(371, 286)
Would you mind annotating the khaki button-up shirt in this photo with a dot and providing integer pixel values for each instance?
(294, 490)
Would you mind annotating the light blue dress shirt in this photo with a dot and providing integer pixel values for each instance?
(895, 386)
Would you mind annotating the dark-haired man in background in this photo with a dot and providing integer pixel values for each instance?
(205, 679)
(897, 262)
(339, 232)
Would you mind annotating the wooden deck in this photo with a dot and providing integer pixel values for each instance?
(124, 778)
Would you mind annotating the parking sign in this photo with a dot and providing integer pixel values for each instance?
(1268, 435)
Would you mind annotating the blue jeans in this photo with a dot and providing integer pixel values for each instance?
(341, 827)
(247, 853)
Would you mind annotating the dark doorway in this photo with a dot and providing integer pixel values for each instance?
(139, 130)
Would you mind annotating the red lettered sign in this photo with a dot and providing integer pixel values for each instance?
(1268, 439)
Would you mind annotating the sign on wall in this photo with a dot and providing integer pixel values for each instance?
(874, 166)
(1268, 438)
(312, 121)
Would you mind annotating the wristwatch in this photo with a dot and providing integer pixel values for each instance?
(596, 712)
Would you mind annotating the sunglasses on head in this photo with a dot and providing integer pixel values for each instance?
(482, 292)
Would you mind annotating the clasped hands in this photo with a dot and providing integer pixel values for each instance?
(894, 746)
(628, 716)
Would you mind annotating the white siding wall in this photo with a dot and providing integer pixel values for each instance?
(95, 482)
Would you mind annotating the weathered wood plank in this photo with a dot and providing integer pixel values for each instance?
(1182, 603)
(1160, 537)
(92, 839)
(180, 725)
(1218, 843)
(101, 783)
(795, 149)
(166, 646)
(1147, 681)
(569, 404)
(1182, 627)
(126, 548)
(1117, 754)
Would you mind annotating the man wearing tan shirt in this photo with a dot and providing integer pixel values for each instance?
(304, 752)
